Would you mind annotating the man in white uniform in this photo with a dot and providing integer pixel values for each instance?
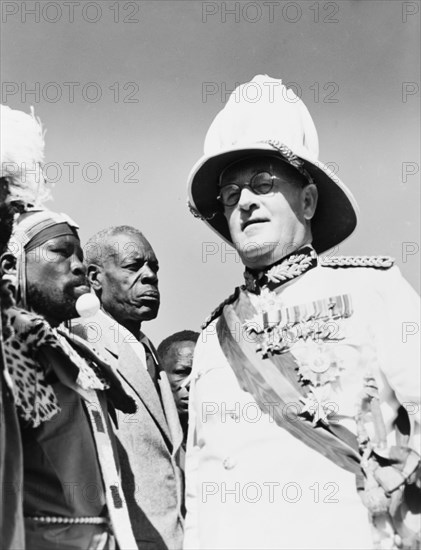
(304, 402)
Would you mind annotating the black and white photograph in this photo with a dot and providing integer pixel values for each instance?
(210, 275)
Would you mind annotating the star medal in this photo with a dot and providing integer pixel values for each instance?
(317, 364)
(318, 405)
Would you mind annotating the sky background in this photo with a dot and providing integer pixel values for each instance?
(149, 77)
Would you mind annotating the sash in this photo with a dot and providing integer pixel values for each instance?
(273, 383)
(93, 403)
(116, 504)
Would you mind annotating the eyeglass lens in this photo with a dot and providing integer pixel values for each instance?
(260, 184)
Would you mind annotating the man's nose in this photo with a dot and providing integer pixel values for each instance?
(148, 275)
(247, 198)
(77, 265)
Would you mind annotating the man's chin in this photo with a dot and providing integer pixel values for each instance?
(68, 311)
(147, 313)
(256, 255)
(150, 311)
(57, 316)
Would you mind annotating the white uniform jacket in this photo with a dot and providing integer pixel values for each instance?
(250, 483)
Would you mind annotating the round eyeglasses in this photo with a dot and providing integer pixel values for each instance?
(261, 184)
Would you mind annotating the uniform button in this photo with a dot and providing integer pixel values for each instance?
(229, 463)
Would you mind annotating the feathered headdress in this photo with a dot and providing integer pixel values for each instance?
(22, 157)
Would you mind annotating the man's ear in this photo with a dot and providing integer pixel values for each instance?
(94, 273)
(7, 265)
(310, 196)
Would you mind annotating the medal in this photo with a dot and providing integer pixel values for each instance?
(318, 405)
(308, 331)
(317, 363)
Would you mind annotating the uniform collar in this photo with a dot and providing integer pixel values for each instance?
(288, 268)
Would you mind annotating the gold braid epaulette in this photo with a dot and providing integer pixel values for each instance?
(217, 312)
(378, 262)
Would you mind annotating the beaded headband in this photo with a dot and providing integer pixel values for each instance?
(24, 231)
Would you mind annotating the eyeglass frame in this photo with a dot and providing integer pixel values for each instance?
(248, 185)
